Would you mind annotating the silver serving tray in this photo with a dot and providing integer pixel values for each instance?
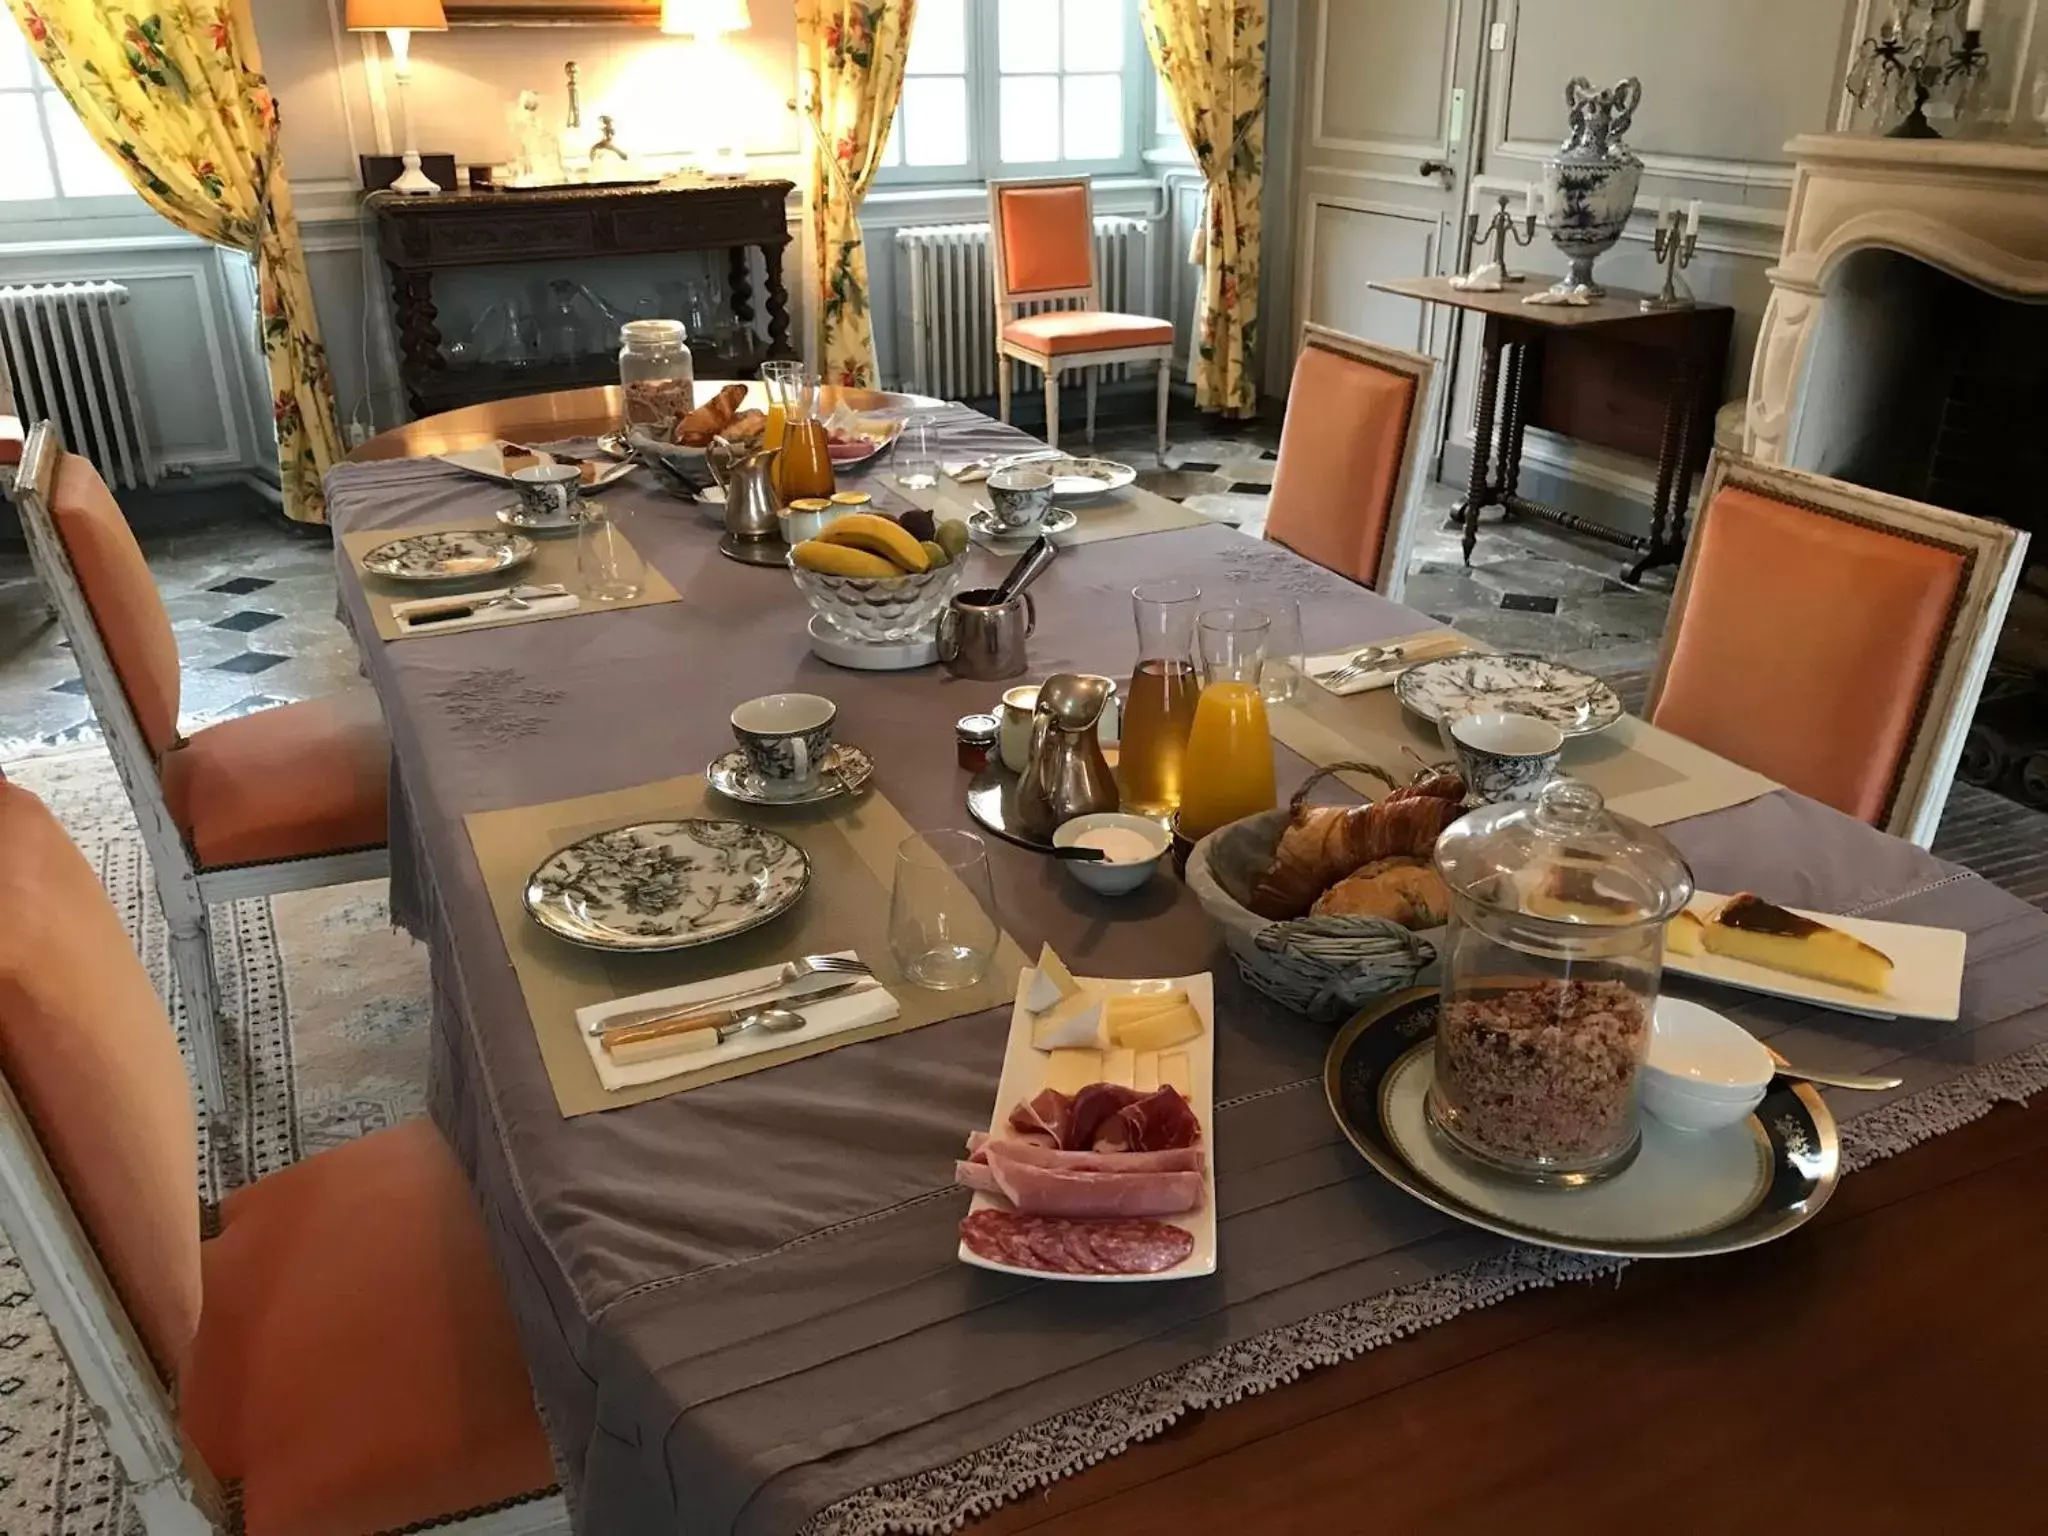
(1797, 1140)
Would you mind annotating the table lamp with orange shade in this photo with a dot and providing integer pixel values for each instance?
(708, 21)
(398, 20)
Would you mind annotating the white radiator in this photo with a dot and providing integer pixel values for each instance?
(64, 349)
(952, 302)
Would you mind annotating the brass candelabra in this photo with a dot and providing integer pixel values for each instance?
(1675, 247)
(1505, 227)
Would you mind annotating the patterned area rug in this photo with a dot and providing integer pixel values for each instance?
(334, 1005)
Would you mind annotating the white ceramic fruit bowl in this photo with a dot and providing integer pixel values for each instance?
(881, 609)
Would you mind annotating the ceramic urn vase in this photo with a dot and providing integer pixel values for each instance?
(1590, 183)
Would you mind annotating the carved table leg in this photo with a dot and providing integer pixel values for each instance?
(1514, 414)
(1665, 539)
(778, 301)
(740, 272)
(1477, 493)
(419, 339)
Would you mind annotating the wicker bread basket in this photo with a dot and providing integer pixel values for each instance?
(1324, 967)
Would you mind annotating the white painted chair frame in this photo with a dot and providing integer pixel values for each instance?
(1993, 555)
(1404, 515)
(1047, 363)
(185, 890)
(172, 1488)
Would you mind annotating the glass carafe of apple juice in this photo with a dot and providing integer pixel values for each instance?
(806, 447)
(1227, 772)
(1159, 705)
(778, 379)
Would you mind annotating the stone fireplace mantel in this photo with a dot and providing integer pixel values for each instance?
(1976, 210)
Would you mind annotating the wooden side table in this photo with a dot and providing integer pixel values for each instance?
(1609, 374)
(419, 237)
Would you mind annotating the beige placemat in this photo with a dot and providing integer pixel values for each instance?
(554, 560)
(852, 848)
(1117, 515)
(1641, 771)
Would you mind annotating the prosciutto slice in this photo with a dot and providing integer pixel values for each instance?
(1044, 1119)
(981, 1149)
(1040, 1191)
(1108, 1117)
(1156, 1122)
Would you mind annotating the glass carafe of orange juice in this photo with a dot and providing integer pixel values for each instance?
(1159, 707)
(806, 445)
(1227, 771)
(777, 380)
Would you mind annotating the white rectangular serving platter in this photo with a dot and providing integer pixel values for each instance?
(487, 463)
(1024, 1069)
(1926, 981)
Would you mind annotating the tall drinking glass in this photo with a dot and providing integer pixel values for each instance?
(779, 381)
(1280, 678)
(942, 924)
(610, 566)
(915, 458)
(1159, 707)
(1228, 771)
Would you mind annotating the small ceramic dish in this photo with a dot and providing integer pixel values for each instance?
(1704, 1071)
(1112, 876)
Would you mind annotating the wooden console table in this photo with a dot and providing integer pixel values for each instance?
(419, 237)
(1608, 374)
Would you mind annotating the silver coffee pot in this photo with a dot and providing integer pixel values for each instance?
(1065, 774)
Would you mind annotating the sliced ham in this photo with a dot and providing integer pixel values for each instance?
(981, 1149)
(978, 1177)
(1062, 1246)
(1055, 1192)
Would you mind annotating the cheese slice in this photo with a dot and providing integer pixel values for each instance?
(1120, 1067)
(1128, 1008)
(1071, 1070)
(1174, 1072)
(1145, 1074)
(1749, 928)
(1160, 1031)
(1683, 934)
(1051, 983)
(1071, 1022)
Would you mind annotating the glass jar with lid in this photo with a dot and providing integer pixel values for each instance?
(1551, 968)
(656, 375)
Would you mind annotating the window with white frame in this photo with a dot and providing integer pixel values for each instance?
(996, 88)
(52, 166)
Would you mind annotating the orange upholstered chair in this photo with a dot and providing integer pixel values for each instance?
(340, 1353)
(1834, 638)
(1345, 492)
(284, 800)
(1042, 240)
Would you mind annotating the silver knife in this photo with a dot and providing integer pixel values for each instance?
(810, 989)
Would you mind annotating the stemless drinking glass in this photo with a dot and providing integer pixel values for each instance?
(1228, 770)
(1280, 678)
(1160, 707)
(610, 566)
(942, 925)
(915, 458)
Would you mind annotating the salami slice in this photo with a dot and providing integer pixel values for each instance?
(1067, 1246)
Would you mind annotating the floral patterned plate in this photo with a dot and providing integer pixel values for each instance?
(1452, 687)
(666, 884)
(1078, 479)
(452, 556)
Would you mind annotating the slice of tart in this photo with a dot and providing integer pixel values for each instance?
(1685, 934)
(1749, 928)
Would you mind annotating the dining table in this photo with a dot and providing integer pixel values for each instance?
(742, 1306)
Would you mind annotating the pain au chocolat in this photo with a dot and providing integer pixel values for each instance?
(1749, 928)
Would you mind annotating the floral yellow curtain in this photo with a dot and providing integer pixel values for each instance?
(850, 58)
(175, 93)
(1211, 54)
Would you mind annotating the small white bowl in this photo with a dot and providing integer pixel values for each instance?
(1112, 879)
(1704, 1071)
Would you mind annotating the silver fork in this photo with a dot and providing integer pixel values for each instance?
(1372, 659)
(791, 973)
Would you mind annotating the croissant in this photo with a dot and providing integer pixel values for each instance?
(1407, 891)
(1324, 843)
(711, 418)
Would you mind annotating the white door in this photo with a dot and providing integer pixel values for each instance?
(1388, 118)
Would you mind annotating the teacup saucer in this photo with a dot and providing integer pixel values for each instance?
(845, 771)
(516, 516)
(983, 525)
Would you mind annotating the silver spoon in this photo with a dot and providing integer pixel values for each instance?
(1841, 1079)
(770, 1021)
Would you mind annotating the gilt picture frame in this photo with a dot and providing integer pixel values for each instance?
(552, 13)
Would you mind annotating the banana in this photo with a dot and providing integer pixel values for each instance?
(830, 559)
(880, 536)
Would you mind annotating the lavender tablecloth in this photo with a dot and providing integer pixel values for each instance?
(741, 1305)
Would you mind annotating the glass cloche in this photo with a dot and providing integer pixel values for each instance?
(1551, 967)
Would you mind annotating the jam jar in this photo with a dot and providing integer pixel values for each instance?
(1551, 968)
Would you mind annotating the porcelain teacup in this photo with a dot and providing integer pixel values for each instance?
(785, 737)
(549, 490)
(1506, 756)
(1020, 496)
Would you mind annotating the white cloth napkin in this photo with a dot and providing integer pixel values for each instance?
(1576, 298)
(1423, 647)
(403, 614)
(834, 1016)
(1482, 279)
